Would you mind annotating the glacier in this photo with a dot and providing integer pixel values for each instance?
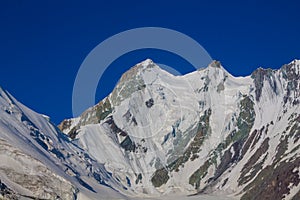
(206, 134)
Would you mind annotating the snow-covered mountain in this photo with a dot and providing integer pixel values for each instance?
(37, 161)
(205, 133)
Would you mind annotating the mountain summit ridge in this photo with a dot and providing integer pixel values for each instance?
(207, 118)
(156, 134)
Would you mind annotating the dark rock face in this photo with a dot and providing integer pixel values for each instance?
(228, 159)
(73, 133)
(149, 103)
(101, 110)
(160, 177)
(235, 141)
(220, 87)
(273, 181)
(216, 64)
(200, 174)
(292, 78)
(139, 178)
(7, 192)
(195, 145)
(65, 124)
(189, 154)
(249, 142)
(245, 121)
(130, 118)
(259, 76)
(252, 167)
(127, 143)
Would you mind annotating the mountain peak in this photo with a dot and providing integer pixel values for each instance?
(293, 66)
(215, 64)
(147, 62)
(137, 69)
(165, 125)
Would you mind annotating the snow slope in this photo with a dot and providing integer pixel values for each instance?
(204, 132)
(38, 161)
(204, 135)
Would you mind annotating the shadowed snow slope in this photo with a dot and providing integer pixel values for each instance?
(39, 162)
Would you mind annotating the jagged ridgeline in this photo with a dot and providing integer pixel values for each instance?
(229, 135)
(156, 134)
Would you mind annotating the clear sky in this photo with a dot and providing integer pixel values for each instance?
(43, 43)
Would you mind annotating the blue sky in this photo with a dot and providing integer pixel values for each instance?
(43, 43)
